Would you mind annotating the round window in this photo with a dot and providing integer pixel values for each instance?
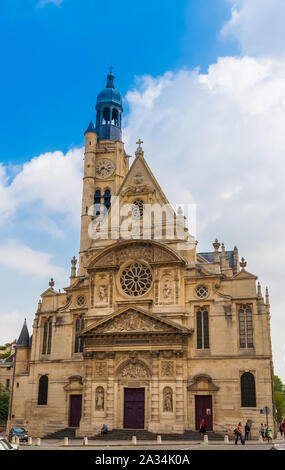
(136, 279)
(202, 291)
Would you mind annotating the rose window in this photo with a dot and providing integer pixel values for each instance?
(202, 291)
(136, 279)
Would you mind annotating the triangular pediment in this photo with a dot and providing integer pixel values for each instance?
(243, 274)
(140, 180)
(134, 320)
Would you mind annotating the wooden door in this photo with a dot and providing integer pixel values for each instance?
(75, 410)
(134, 408)
(203, 409)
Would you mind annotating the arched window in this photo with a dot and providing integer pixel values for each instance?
(98, 118)
(79, 325)
(47, 337)
(245, 327)
(115, 117)
(106, 115)
(97, 202)
(248, 396)
(107, 198)
(202, 321)
(43, 390)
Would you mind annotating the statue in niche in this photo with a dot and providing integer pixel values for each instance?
(99, 399)
(103, 294)
(167, 399)
(167, 289)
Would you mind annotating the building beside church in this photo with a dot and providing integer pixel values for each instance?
(149, 333)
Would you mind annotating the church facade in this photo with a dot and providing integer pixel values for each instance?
(149, 333)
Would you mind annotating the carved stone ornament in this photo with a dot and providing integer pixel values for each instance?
(167, 368)
(132, 321)
(134, 371)
(103, 294)
(101, 369)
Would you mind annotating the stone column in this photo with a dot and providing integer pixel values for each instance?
(154, 394)
(179, 413)
(110, 392)
(85, 423)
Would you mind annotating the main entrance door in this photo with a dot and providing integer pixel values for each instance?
(203, 409)
(134, 399)
(75, 410)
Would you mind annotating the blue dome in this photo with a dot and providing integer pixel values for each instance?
(109, 94)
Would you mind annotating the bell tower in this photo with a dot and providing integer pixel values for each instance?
(105, 162)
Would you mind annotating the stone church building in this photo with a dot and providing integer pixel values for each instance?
(150, 333)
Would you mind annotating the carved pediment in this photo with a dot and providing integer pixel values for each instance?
(134, 321)
(150, 251)
(201, 383)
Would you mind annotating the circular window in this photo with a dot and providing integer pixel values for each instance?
(202, 291)
(138, 208)
(81, 300)
(136, 279)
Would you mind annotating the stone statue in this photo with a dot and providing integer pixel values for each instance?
(99, 399)
(103, 294)
(167, 399)
(167, 289)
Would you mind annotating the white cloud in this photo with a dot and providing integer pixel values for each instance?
(217, 139)
(49, 184)
(258, 26)
(14, 255)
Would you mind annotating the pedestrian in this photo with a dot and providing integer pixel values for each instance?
(280, 429)
(283, 427)
(238, 433)
(203, 428)
(265, 431)
(246, 430)
(104, 429)
(262, 431)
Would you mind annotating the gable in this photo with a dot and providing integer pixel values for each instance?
(150, 251)
(134, 321)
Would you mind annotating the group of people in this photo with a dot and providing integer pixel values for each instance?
(265, 432)
(239, 435)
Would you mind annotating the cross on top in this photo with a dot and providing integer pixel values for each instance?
(139, 142)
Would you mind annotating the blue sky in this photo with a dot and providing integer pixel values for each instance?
(203, 86)
(55, 60)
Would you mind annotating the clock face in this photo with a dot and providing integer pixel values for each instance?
(104, 168)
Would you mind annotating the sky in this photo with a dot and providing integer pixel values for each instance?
(203, 83)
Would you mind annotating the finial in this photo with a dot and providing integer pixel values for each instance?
(216, 245)
(259, 293)
(180, 211)
(51, 282)
(267, 295)
(73, 267)
(139, 150)
(243, 264)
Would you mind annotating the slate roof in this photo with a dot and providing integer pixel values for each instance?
(209, 257)
(24, 338)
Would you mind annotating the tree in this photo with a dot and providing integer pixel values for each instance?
(4, 404)
(279, 396)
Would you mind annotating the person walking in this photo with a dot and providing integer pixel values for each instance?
(283, 427)
(262, 431)
(238, 433)
(280, 429)
(203, 428)
(246, 430)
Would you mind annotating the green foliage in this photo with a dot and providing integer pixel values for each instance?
(4, 404)
(2, 348)
(277, 384)
(5, 354)
(279, 398)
